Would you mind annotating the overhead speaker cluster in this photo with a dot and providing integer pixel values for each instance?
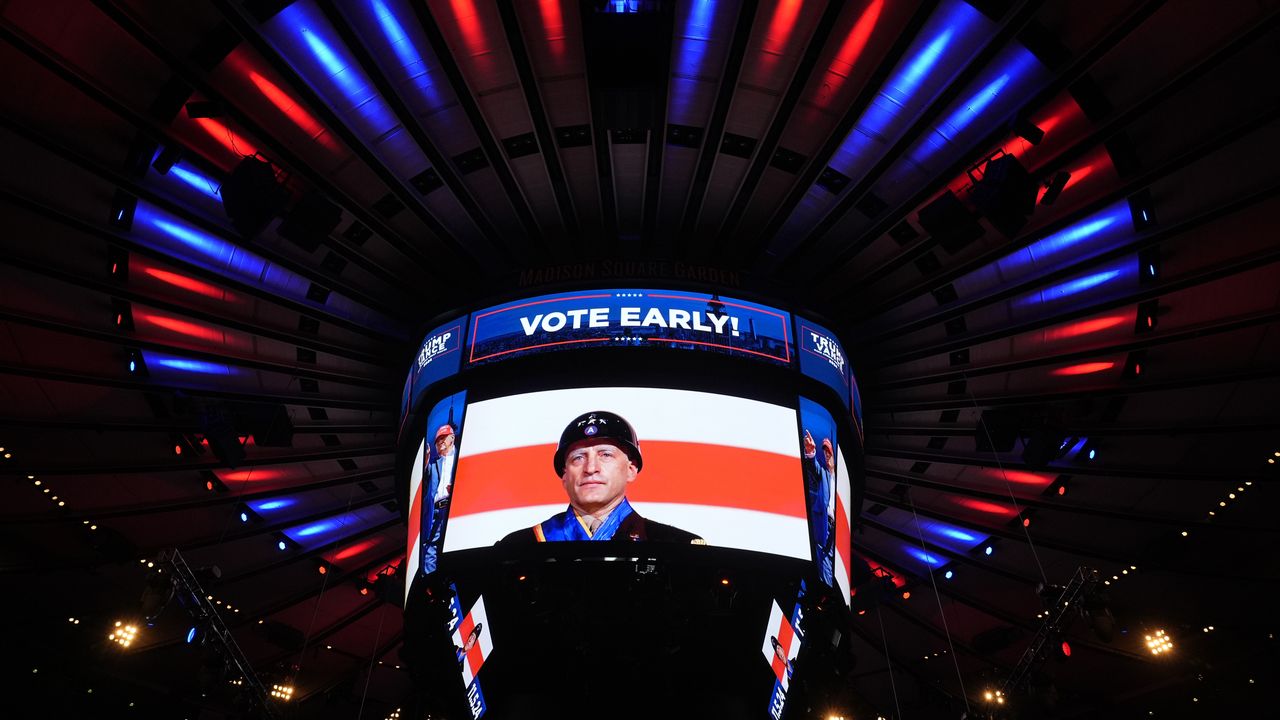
(252, 196)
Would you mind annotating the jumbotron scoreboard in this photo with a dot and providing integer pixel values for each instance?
(635, 498)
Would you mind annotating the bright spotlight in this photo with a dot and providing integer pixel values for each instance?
(1159, 643)
(123, 633)
(284, 693)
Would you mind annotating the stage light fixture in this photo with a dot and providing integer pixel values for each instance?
(1142, 210)
(283, 693)
(166, 158)
(136, 363)
(1054, 187)
(117, 264)
(1134, 365)
(1027, 130)
(212, 482)
(122, 314)
(123, 634)
(988, 550)
(949, 574)
(123, 206)
(246, 514)
(323, 567)
(1159, 643)
(283, 543)
(1149, 265)
(363, 587)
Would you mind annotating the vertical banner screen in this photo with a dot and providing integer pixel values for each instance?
(438, 357)
(818, 459)
(438, 464)
(822, 357)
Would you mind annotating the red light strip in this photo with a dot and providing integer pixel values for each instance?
(1086, 327)
(182, 327)
(1085, 368)
(186, 283)
(468, 20)
(227, 137)
(854, 43)
(781, 25)
(983, 507)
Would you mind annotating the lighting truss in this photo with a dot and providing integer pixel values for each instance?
(202, 610)
(1065, 608)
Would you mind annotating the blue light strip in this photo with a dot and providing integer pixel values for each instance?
(924, 557)
(205, 185)
(261, 506)
(690, 54)
(1094, 233)
(947, 40)
(1010, 79)
(322, 528)
(157, 362)
(1085, 283)
(414, 68)
(166, 233)
(312, 46)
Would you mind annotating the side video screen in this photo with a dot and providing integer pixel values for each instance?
(630, 463)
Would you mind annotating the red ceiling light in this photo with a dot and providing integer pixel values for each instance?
(1084, 368)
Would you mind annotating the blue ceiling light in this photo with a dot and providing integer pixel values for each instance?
(269, 505)
(988, 550)
(201, 183)
(188, 365)
(1075, 286)
(411, 61)
(948, 574)
(191, 634)
(314, 49)
(947, 40)
(927, 558)
(691, 52)
(954, 533)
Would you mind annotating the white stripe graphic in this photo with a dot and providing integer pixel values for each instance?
(415, 553)
(844, 491)
(655, 414)
(721, 526)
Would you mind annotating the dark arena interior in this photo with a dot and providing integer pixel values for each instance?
(744, 359)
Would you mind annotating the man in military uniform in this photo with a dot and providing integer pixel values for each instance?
(597, 458)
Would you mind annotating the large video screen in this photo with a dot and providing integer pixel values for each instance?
(632, 317)
(630, 463)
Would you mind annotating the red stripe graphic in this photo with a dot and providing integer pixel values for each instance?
(464, 629)
(784, 635)
(842, 535)
(674, 472)
(415, 519)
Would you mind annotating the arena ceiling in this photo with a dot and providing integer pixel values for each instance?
(441, 151)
